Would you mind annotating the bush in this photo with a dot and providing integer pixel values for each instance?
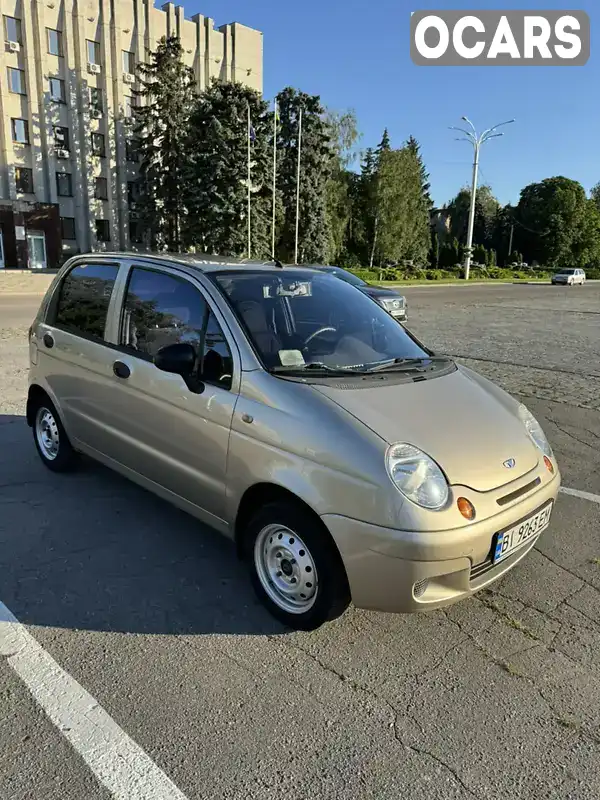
(365, 274)
(434, 274)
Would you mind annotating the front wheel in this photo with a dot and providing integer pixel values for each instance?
(295, 567)
(51, 440)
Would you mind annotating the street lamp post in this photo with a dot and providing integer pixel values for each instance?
(472, 137)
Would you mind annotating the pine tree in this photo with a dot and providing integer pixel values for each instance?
(217, 172)
(434, 252)
(161, 128)
(415, 148)
(315, 171)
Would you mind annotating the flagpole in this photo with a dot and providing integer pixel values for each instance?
(298, 186)
(274, 179)
(249, 185)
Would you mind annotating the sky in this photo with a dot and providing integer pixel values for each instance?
(355, 54)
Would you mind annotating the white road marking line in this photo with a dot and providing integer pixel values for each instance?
(593, 498)
(115, 759)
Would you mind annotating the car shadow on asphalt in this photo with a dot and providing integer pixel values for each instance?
(91, 550)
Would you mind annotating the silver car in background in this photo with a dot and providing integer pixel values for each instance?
(568, 277)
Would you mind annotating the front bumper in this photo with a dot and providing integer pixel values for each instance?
(384, 566)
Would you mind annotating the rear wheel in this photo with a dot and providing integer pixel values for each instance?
(50, 437)
(295, 567)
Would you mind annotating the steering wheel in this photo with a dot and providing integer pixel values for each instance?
(318, 333)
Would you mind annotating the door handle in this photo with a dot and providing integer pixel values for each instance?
(48, 340)
(121, 370)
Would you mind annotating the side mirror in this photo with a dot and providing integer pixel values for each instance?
(179, 359)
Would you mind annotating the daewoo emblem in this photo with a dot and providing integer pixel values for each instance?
(510, 463)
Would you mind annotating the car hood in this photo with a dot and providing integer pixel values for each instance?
(464, 422)
(380, 291)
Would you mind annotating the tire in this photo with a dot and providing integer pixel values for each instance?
(306, 550)
(50, 438)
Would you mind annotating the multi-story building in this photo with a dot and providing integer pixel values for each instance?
(67, 82)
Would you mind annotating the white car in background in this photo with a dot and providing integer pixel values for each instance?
(568, 277)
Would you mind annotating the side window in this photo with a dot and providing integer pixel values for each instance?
(162, 309)
(84, 298)
(216, 364)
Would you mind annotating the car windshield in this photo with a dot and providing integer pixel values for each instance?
(567, 272)
(349, 277)
(299, 320)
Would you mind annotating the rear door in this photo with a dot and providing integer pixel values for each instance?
(73, 355)
(164, 431)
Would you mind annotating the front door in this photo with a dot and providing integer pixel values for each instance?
(36, 246)
(1, 251)
(161, 428)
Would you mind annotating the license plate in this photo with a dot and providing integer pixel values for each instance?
(510, 540)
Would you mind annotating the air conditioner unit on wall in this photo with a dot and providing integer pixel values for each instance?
(60, 153)
(128, 77)
(13, 47)
(94, 69)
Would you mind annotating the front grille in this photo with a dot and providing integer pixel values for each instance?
(508, 498)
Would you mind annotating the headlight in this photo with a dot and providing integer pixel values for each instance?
(417, 476)
(392, 304)
(534, 429)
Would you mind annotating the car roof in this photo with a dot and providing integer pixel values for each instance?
(203, 262)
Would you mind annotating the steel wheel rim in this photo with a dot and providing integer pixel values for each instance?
(286, 569)
(46, 432)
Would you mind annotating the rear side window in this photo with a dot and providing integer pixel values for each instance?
(84, 298)
(162, 309)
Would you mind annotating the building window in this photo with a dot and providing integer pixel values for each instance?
(103, 230)
(64, 186)
(61, 137)
(128, 62)
(12, 30)
(24, 180)
(67, 228)
(16, 81)
(131, 151)
(101, 189)
(54, 42)
(20, 131)
(133, 192)
(57, 90)
(135, 232)
(96, 100)
(98, 145)
(93, 52)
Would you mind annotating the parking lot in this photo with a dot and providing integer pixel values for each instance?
(195, 692)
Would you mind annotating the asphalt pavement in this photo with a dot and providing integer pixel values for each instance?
(142, 630)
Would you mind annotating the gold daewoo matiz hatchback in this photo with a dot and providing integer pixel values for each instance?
(285, 408)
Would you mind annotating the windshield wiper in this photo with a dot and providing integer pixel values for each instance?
(406, 364)
(315, 366)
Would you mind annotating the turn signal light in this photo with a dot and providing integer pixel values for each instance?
(466, 508)
(549, 465)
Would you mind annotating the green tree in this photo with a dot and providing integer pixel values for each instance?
(480, 254)
(415, 148)
(403, 231)
(217, 172)
(344, 134)
(315, 171)
(161, 130)
(561, 226)
(434, 251)
(486, 211)
(596, 195)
